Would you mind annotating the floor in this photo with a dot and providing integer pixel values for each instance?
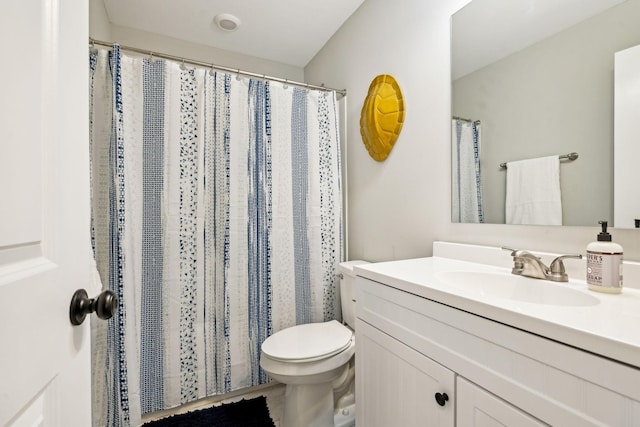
(273, 393)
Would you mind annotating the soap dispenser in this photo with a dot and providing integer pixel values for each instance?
(604, 263)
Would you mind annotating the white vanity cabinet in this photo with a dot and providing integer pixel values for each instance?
(396, 385)
(411, 347)
(476, 407)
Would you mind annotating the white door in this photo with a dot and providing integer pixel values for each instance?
(44, 213)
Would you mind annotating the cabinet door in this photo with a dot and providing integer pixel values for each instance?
(477, 407)
(396, 385)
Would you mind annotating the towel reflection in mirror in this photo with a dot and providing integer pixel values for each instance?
(533, 192)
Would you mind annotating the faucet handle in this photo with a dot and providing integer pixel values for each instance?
(519, 252)
(505, 248)
(556, 269)
(557, 266)
(518, 262)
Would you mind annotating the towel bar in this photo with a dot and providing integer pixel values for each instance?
(570, 156)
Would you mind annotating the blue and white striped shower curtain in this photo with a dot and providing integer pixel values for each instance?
(466, 179)
(216, 219)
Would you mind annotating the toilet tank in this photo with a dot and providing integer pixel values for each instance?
(348, 291)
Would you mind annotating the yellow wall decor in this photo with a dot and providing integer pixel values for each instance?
(382, 116)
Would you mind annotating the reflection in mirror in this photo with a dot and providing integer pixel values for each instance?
(534, 79)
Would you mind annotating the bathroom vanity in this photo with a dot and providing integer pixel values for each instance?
(445, 342)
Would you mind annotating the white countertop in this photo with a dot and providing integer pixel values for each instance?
(610, 328)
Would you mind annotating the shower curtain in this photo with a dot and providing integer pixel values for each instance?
(217, 221)
(466, 192)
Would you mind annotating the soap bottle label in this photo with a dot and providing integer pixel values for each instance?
(604, 269)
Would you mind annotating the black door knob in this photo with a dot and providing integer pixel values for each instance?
(441, 398)
(104, 305)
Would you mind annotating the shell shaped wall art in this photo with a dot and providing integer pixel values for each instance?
(382, 116)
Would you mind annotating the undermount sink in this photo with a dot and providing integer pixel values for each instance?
(517, 288)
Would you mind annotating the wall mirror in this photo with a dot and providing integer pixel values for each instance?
(538, 77)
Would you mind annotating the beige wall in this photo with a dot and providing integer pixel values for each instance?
(397, 208)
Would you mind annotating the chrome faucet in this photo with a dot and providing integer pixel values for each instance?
(527, 264)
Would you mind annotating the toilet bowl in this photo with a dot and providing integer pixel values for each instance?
(308, 359)
(313, 360)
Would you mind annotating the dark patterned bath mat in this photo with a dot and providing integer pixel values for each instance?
(245, 413)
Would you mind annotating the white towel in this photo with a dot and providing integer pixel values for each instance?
(533, 192)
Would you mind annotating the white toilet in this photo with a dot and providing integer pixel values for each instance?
(315, 362)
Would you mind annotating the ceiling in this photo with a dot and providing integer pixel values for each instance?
(286, 31)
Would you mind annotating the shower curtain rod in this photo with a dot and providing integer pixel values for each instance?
(466, 120)
(93, 42)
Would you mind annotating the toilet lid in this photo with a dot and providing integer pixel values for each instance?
(308, 342)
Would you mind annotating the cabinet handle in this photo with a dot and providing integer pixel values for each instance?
(441, 398)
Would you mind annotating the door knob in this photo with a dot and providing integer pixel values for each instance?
(104, 305)
(441, 398)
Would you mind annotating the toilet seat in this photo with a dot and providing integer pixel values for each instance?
(309, 342)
